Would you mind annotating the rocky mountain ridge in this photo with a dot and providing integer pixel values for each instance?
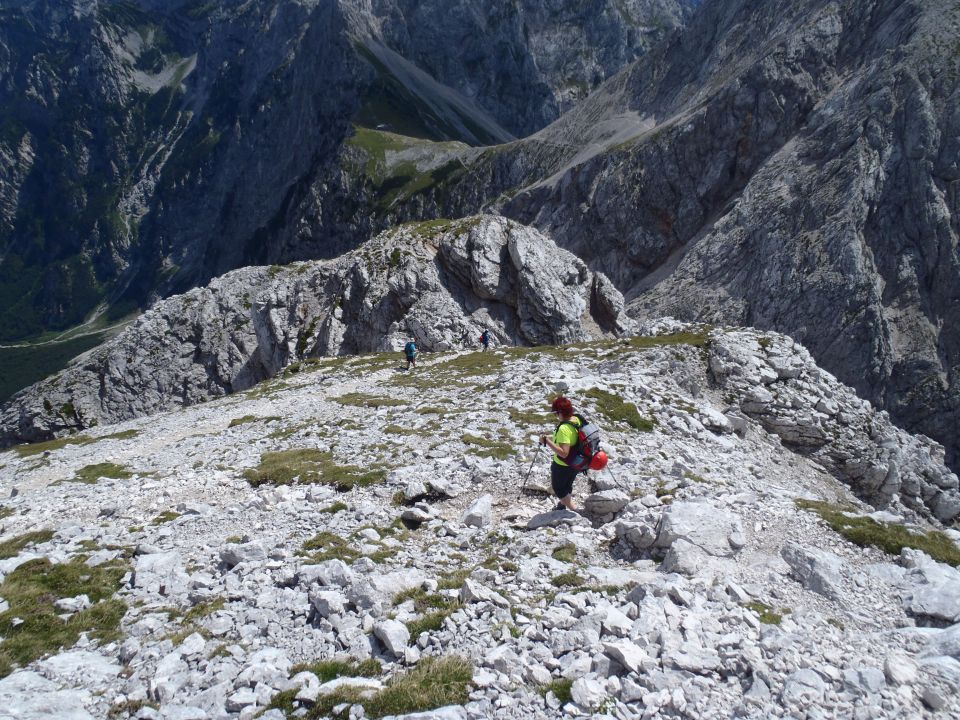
(441, 283)
(147, 147)
(273, 550)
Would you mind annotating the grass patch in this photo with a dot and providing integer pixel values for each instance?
(92, 473)
(369, 401)
(12, 547)
(34, 587)
(570, 579)
(394, 429)
(433, 683)
(335, 508)
(165, 517)
(561, 690)
(58, 443)
(329, 546)
(307, 465)
(614, 408)
(768, 616)
(431, 410)
(889, 537)
(453, 580)
(252, 419)
(327, 670)
(430, 622)
(485, 447)
(204, 609)
(472, 364)
(527, 418)
(6, 512)
(424, 601)
(565, 553)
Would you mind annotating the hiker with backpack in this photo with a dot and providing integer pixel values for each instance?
(575, 443)
(410, 350)
(485, 339)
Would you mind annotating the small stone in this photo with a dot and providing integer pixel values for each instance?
(480, 513)
(394, 636)
(900, 669)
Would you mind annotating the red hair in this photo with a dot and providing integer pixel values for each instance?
(563, 406)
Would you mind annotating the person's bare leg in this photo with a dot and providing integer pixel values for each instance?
(567, 502)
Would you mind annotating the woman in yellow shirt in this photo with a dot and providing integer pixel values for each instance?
(564, 438)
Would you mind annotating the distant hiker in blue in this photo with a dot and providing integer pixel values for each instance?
(485, 340)
(410, 350)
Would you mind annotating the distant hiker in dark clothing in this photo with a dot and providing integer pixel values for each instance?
(485, 340)
(564, 438)
(410, 350)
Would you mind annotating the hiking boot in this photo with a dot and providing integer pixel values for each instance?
(560, 506)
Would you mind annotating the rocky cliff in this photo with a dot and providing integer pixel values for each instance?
(440, 282)
(351, 539)
(146, 147)
(780, 165)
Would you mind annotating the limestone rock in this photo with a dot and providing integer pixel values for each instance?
(714, 530)
(819, 571)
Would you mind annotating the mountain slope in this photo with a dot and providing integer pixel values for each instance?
(146, 147)
(705, 576)
(777, 164)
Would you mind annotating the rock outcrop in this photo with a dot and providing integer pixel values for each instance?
(440, 283)
(810, 411)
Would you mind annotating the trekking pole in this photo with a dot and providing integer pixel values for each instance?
(616, 482)
(527, 476)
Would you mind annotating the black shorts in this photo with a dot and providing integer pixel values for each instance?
(561, 478)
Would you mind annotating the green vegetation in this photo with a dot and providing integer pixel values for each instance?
(570, 579)
(233, 539)
(12, 547)
(165, 517)
(614, 408)
(453, 579)
(327, 670)
(527, 418)
(34, 587)
(6, 512)
(90, 474)
(396, 181)
(565, 553)
(488, 448)
(58, 443)
(23, 366)
(251, 419)
(204, 609)
(329, 546)
(369, 401)
(307, 465)
(768, 616)
(335, 508)
(889, 537)
(560, 689)
(433, 683)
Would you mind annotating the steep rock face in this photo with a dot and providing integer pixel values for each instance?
(781, 165)
(527, 62)
(149, 146)
(442, 283)
(779, 385)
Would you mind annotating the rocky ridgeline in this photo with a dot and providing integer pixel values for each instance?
(703, 579)
(441, 282)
